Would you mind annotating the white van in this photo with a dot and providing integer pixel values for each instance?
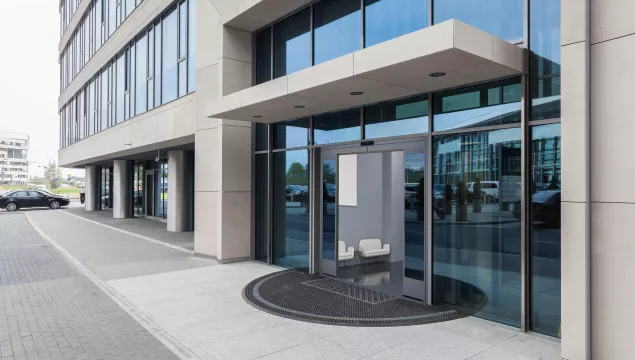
(490, 188)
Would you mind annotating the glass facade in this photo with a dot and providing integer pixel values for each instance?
(336, 29)
(501, 18)
(395, 118)
(388, 19)
(291, 209)
(484, 105)
(544, 46)
(544, 217)
(477, 179)
(262, 209)
(99, 22)
(337, 127)
(291, 134)
(138, 193)
(153, 69)
(292, 44)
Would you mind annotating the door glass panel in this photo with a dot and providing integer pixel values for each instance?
(329, 194)
(262, 208)
(158, 194)
(414, 260)
(150, 196)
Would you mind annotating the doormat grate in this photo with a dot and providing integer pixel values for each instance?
(315, 298)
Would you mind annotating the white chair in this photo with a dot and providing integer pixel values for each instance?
(343, 253)
(372, 247)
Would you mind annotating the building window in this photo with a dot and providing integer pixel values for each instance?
(291, 134)
(476, 180)
(292, 44)
(141, 65)
(191, 46)
(544, 44)
(491, 104)
(388, 19)
(337, 29)
(544, 220)
(169, 57)
(262, 207)
(395, 118)
(262, 137)
(291, 193)
(263, 56)
(337, 127)
(501, 18)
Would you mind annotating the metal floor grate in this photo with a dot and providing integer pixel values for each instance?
(315, 298)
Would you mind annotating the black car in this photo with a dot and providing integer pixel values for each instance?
(14, 200)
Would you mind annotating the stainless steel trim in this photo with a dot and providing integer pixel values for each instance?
(543, 122)
(524, 253)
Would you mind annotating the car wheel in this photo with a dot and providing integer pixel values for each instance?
(54, 204)
(489, 199)
(11, 207)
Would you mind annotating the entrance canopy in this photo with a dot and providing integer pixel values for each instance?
(446, 55)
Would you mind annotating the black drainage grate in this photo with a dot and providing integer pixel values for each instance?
(315, 298)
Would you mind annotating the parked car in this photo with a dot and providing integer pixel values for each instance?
(296, 193)
(545, 207)
(489, 189)
(15, 200)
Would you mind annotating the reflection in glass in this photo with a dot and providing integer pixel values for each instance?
(191, 46)
(544, 43)
(121, 89)
(477, 179)
(545, 229)
(263, 56)
(262, 209)
(337, 29)
(414, 216)
(158, 193)
(395, 118)
(329, 195)
(292, 44)
(170, 54)
(388, 19)
(262, 140)
(337, 127)
(490, 104)
(290, 134)
(501, 18)
(141, 75)
(291, 209)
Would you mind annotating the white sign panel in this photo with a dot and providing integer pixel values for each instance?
(347, 180)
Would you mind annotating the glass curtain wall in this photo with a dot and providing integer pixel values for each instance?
(155, 68)
(138, 191)
(477, 181)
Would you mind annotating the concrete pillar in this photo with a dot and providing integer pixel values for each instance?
(122, 189)
(576, 221)
(92, 189)
(223, 147)
(177, 197)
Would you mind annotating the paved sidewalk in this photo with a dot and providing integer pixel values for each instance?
(111, 254)
(149, 228)
(199, 304)
(48, 310)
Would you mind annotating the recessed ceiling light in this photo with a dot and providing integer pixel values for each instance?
(299, 106)
(257, 116)
(437, 74)
(357, 93)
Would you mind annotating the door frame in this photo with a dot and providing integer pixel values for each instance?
(411, 287)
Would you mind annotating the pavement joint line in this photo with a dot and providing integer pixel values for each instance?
(171, 343)
(159, 242)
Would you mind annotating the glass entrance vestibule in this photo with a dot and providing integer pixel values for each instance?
(372, 214)
(451, 198)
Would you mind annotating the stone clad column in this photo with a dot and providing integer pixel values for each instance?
(91, 189)
(177, 196)
(122, 187)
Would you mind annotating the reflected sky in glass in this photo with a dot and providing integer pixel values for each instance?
(475, 117)
(337, 29)
(388, 19)
(501, 18)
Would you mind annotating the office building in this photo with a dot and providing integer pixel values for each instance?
(14, 166)
(289, 131)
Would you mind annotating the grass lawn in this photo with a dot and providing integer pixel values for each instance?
(65, 191)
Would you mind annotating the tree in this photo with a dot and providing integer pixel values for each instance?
(53, 175)
(296, 175)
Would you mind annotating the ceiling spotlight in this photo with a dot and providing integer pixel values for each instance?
(257, 116)
(357, 93)
(437, 74)
(299, 106)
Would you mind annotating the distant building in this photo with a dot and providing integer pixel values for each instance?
(14, 167)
